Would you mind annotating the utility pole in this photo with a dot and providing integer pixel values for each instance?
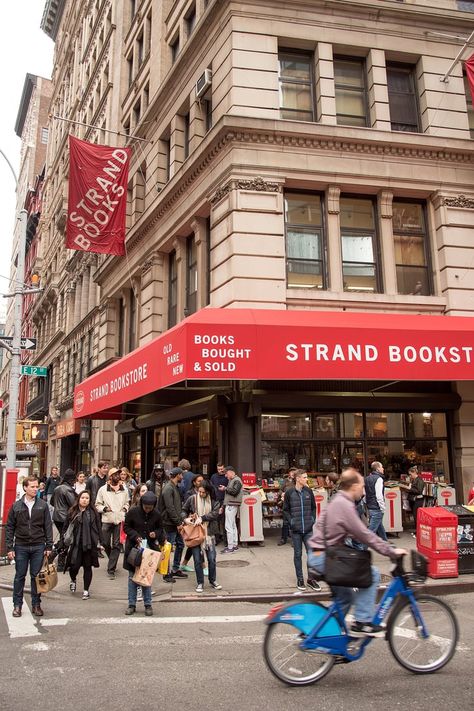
(15, 349)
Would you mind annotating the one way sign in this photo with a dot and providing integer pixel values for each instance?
(26, 344)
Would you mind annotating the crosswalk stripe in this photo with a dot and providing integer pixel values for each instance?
(132, 620)
(24, 626)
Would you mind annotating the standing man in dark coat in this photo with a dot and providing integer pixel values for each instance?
(64, 497)
(219, 479)
(170, 510)
(96, 481)
(299, 510)
(29, 537)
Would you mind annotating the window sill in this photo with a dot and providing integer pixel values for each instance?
(310, 298)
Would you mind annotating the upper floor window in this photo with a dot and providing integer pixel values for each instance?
(172, 290)
(44, 134)
(191, 276)
(190, 20)
(351, 93)
(360, 261)
(186, 134)
(132, 332)
(402, 97)
(470, 107)
(305, 248)
(411, 248)
(296, 86)
(174, 46)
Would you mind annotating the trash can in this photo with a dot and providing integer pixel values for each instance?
(436, 538)
(465, 536)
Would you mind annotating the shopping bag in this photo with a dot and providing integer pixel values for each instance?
(123, 535)
(47, 578)
(146, 572)
(165, 561)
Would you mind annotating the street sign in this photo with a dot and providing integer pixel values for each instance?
(34, 370)
(26, 344)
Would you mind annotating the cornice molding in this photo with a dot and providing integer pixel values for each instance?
(459, 201)
(257, 184)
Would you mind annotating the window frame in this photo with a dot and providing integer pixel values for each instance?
(365, 99)
(172, 289)
(191, 269)
(469, 104)
(323, 261)
(410, 70)
(426, 242)
(359, 231)
(299, 54)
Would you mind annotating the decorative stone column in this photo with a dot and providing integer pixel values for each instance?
(379, 109)
(201, 238)
(334, 239)
(325, 87)
(387, 266)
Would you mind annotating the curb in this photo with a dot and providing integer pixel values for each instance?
(456, 587)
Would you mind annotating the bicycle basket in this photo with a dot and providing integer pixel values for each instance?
(419, 566)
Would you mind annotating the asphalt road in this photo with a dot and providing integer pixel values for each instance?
(88, 655)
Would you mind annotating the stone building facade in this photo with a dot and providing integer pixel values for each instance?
(286, 155)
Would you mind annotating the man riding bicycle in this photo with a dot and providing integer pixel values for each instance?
(338, 522)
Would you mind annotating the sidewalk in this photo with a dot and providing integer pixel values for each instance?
(254, 574)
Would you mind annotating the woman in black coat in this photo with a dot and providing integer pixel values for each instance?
(84, 549)
(142, 524)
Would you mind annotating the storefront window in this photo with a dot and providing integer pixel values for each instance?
(193, 440)
(326, 426)
(352, 424)
(286, 425)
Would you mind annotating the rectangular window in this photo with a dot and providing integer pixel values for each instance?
(411, 252)
(470, 108)
(402, 97)
(172, 290)
(130, 69)
(351, 94)
(132, 332)
(167, 149)
(174, 46)
(305, 248)
(190, 20)
(359, 245)
(191, 276)
(44, 134)
(207, 104)
(140, 46)
(296, 86)
(186, 134)
(121, 327)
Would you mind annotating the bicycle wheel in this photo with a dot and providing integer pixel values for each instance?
(411, 650)
(288, 662)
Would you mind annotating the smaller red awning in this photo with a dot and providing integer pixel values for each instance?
(252, 344)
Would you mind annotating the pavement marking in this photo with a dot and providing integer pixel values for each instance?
(24, 626)
(436, 639)
(36, 647)
(210, 619)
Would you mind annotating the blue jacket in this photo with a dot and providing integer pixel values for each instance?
(299, 509)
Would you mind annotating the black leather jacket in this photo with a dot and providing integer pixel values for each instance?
(63, 498)
(25, 530)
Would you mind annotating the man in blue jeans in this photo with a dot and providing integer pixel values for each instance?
(338, 522)
(29, 537)
(375, 499)
(299, 510)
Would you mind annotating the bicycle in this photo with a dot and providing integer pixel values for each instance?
(421, 630)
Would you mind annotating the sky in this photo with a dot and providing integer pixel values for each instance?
(24, 48)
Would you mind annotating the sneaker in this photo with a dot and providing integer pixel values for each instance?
(111, 576)
(300, 584)
(206, 572)
(228, 550)
(281, 543)
(215, 585)
(314, 585)
(187, 569)
(199, 588)
(413, 535)
(148, 611)
(168, 579)
(130, 610)
(179, 574)
(86, 595)
(367, 629)
(37, 611)
(235, 548)
(72, 586)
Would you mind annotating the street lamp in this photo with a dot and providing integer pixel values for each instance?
(15, 347)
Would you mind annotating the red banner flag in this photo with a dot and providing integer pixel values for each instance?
(469, 67)
(98, 178)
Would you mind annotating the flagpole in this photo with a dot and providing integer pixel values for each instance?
(457, 58)
(98, 128)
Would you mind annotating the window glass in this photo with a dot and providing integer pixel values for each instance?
(402, 98)
(410, 248)
(296, 95)
(384, 424)
(286, 425)
(351, 105)
(357, 248)
(304, 245)
(426, 424)
(352, 424)
(357, 213)
(326, 426)
(303, 209)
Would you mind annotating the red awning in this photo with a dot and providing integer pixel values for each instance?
(251, 344)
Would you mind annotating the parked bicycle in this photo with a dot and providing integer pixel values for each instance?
(304, 640)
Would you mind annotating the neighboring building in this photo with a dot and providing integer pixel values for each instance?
(310, 165)
(32, 128)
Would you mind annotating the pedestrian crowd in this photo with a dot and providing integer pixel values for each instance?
(110, 513)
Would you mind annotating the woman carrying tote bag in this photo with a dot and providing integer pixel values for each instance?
(202, 509)
(84, 536)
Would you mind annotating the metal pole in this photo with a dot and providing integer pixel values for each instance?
(457, 58)
(15, 363)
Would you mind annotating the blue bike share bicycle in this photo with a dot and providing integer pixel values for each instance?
(304, 640)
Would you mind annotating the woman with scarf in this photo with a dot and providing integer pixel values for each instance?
(83, 551)
(202, 508)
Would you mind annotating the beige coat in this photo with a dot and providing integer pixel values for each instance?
(116, 502)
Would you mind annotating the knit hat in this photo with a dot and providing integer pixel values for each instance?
(148, 499)
(69, 476)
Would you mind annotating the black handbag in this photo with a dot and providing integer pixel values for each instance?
(135, 556)
(346, 566)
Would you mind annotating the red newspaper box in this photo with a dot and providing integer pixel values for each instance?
(441, 564)
(436, 529)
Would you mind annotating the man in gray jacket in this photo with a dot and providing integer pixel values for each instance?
(232, 501)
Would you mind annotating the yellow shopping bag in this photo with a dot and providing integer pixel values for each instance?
(165, 561)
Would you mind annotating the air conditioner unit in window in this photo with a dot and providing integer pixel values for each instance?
(203, 83)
